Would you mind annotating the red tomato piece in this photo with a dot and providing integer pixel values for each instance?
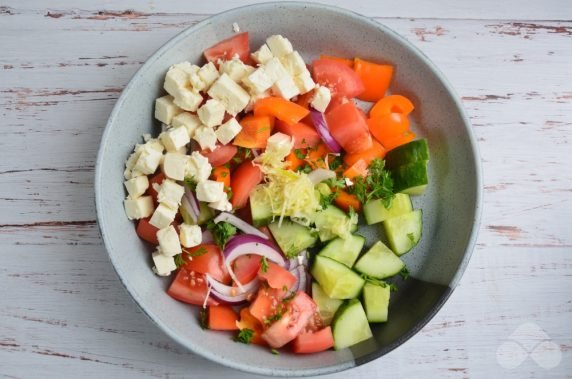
(266, 303)
(242, 182)
(207, 259)
(307, 343)
(277, 276)
(190, 287)
(349, 128)
(226, 49)
(304, 135)
(155, 179)
(338, 77)
(246, 267)
(147, 232)
(221, 317)
(221, 155)
(247, 321)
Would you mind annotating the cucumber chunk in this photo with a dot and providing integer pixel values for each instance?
(332, 222)
(376, 302)
(411, 152)
(350, 325)
(404, 232)
(344, 251)
(410, 178)
(337, 280)
(379, 262)
(375, 212)
(260, 209)
(292, 237)
(327, 306)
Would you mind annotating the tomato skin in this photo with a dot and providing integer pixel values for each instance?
(307, 343)
(277, 276)
(304, 135)
(246, 267)
(342, 81)
(146, 231)
(349, 128)
(221, 155)
(265, 303)
(247, 321)
(226, 49)
(190, 287)
(221, 317)
(242, 182)
(211, 262)
(155, 179)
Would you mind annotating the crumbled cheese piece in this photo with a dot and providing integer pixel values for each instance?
(227, 131)
(321, 99)
(231, 95)
(165, 109)
(137, 186)
(235, 69)
(164, 264)
(275, 70)
(176, 79)
(235, 27)
(208, 74)
(169, 241)
(262, 55)
(190, 121)
(279, 46)
(222, 205)
(348, 182)
(170, 193)
(190, 235)
(258, 81)
(198, 167)
(294, 64)
(285, 87)
(138, 208)
(175, 138)
(175, 165)
(211, 113)
(163, 216)
(148, 161)
(304, 82)
(188, 100)
(206, 137)
(210, 191)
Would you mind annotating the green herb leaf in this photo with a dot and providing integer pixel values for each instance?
(326, 200)
(285, 288)
(180, 260)
(263, 264)
(335, 183)
(378, 184)
(197, 253)
(393, 287)
(404, 272)
(275, 352)
(221, 232)
(244, 336)
(336, 162)
(299, 154)
(190, 182)
(203, 320)
(228, 192)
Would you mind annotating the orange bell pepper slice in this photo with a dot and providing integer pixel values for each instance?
(345, 200)
(221, 174)
(375, 77)
(375, 151)
(281, 109)
(357, 169)
(317, 156)
(347, 62)
(294, 163)
(255, 131)
(399, 139)
(386, 127)
(391, 104)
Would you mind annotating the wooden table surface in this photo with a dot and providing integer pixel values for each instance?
(63, 311)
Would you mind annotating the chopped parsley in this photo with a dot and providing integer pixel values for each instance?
(180, 260)
(274, 317)
(221, 232)
(263, 264)
(244, 336)
(377, 282)
(196, 253)
(378, 184)
(203, 319)
(336, 162)
(326, 200)
(299, 154)
(335, 183)
(275, 352)
(404, 272)
(228, 190)
(224, 174)
(285, 288)
(190, 182)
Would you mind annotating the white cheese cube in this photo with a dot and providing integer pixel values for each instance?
(227, 131)
(175, 138)
(233, 96)
(198, 167)
(197, 84)
(258, 81)
(148, 161)
(134, 174)
(275, 70)
(176, 79)
(130, 163)
(262, 55)
(210, 191)
(279, 46)
(169, 241)
(208, 74)
(137, 186)
(294, 64)
(190, 235)
(304, 82)
(285, 87)
(175, 165)
(321, 99)
(222, 205)
(235, 69)
(164, 264)
(188, 100)
(153, 143)
(163, 216)
(170, 194)
(165, 109)
(190, 121)
(187, 67)
(211, 113)
(139, 208)
(206, 137)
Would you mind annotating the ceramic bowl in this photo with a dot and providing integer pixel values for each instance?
(451, 205)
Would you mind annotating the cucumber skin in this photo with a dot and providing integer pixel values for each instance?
(376, 302)
(338, 322)
(325, 252)
(409, 176)
(390, 235)
(411, 152)
(261, 212)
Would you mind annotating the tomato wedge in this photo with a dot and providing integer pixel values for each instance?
(190, 287)
(375, 77)
(276, 276)
(248, 321)
(242, 182)
(304, 135)
(246, 267)
(349, 128)
(221, 317)
(346, 61)
(266, 302)
(147, 232)
(307, 343)
(207, 259)
(222, 154)
(226, 49)
(342, 81)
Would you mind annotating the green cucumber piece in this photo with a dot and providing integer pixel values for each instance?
(375, 212)
(292, 237)
(410, 178)
(344, 251)
(331, 222)
(404, 232)
(376, 301)
(411, 152)
(205, 214)
(260, 208)
(350, 325)
(337, 280)
(379, 262)
(327, 306)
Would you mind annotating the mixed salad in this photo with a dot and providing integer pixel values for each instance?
(253, 191)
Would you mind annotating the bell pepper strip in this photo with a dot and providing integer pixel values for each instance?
(221, 317)
(281, 109)
(375, 77)
(221, 174)
(346, 201)
(316, 157)
(398, 140)
(387, 127)
(375, 151)
(293, 161)
(255, 131)
(391, 104)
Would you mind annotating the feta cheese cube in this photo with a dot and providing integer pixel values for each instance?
(175, 165)
(148, 161)
(175, 138)
(164, 264)
(198, 167)
(222, 205)
(258, 81)
(321, 99)
(294, 64)
(227, 131)
(153, 143)
(163, 216)
(165, 109)
(210, 191)
(275, 70)
(304, 82)
(187, 67)
(139, 208)
(169, 241)
(285, 87)
(279, 46)
(137, 186)
(130, 163)
(170, 194)
(190, 121)
(206, 137)
(262, 55)
(231, 95)
(208, 74)
(235, 69)
(197, 84)
(190, 235)
(188, 100)
(175, 80)
(211, 113)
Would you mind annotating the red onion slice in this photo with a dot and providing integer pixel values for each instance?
(188, 209)
(322, 127)
(302, 279)
(207, 237)
(192, 204)
(321, 174)
(228, 294)
(239, 224)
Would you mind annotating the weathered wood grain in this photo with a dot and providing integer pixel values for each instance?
(63, 312)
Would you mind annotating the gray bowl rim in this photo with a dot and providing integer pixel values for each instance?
(468, 249)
